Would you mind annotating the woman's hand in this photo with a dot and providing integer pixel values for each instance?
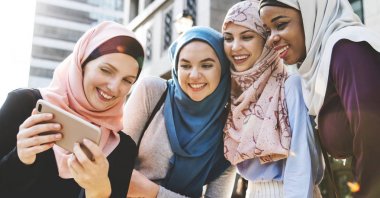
(141, 186)
(31, 141)
(92, 175)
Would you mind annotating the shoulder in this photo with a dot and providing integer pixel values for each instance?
(25, 93)
(345, 49)
(151, 84)
(22, 98)
(293, 85)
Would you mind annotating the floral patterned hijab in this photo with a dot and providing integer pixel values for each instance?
(258, 124)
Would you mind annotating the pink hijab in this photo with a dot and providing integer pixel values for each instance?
(66, 91)
(258, 124)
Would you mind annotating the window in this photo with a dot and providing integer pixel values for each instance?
(357, 6)
(192, 7)
(134, 9)
(168, 29)
(149, 44)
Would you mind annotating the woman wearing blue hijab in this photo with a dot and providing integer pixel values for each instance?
(182, 148)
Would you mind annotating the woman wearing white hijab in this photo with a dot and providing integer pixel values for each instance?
(268, 134)
(338, 59)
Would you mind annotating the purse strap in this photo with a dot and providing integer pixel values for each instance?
(327, 162)
(155, 110)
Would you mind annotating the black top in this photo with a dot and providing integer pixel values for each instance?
(41, 178)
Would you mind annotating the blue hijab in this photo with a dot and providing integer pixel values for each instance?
(195, 129)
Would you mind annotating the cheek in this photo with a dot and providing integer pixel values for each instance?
(181, 78)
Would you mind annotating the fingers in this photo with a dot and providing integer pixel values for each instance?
(32, 126)
(88, 148)
(39, 140)
(35, 149)
(74, 166)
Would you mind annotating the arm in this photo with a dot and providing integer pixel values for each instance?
(223, 185)
(304, 163)
(141, 186)
(140, 104)
(16, 109)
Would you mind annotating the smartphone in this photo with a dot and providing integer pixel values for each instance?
(73, 128)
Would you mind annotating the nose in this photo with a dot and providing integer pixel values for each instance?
(194, 73)
(113, 85)
(273, 39)
(236, 45)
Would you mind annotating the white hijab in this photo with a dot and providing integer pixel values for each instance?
(325, 23)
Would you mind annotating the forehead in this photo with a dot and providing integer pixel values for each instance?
(197, 49)
(232, 27)
(270, 14)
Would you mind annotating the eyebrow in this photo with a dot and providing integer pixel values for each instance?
(243, 32)
(115, 69)
(204, 60)
(277, 18)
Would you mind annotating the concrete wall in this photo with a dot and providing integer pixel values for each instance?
(218, 11)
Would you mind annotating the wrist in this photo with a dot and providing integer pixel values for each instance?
(104, 192)
(153, 190)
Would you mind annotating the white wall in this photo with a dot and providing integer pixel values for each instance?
(372, 14)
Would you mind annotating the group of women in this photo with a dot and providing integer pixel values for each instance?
(232, 107)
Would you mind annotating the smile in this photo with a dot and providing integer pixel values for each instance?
(104, 95)
(197, 86)
(283, 51)
(240, 58)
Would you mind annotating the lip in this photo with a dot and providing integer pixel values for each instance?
(282, 53)
(101, 97)
(239, 61)
(196, 86)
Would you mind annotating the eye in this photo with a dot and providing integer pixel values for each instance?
(185, 66)
(247, 37)
(128, 81)
(207, 65)
(228, 38)
(281, 25)
(105, 70)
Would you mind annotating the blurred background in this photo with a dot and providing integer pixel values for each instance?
(38, 34)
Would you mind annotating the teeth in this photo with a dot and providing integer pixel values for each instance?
(105, 95)
(283, 49)
(197, 85)
(240, 57)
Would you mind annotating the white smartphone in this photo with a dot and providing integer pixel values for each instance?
(73, 128)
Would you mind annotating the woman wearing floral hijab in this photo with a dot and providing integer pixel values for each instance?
(268, 134)
(339, 62)
(91, 83)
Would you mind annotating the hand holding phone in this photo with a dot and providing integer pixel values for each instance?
(73, 128)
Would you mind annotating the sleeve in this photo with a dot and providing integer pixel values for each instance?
(223, 185)
(14, 175)
(140, 104)
(303, 166)
(165, 193)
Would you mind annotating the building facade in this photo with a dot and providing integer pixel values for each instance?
(58, 25)
(154, 22)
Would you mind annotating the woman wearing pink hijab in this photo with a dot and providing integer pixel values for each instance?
(91, 83)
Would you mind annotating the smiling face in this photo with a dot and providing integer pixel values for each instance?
(286, 32)
(242, 46)
(108, 79)
(199, 70)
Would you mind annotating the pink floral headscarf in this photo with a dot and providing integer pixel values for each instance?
(258, 124)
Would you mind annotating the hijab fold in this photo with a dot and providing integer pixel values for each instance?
(258, 123)
(325, 23)
(66, 91)
(195, 128)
